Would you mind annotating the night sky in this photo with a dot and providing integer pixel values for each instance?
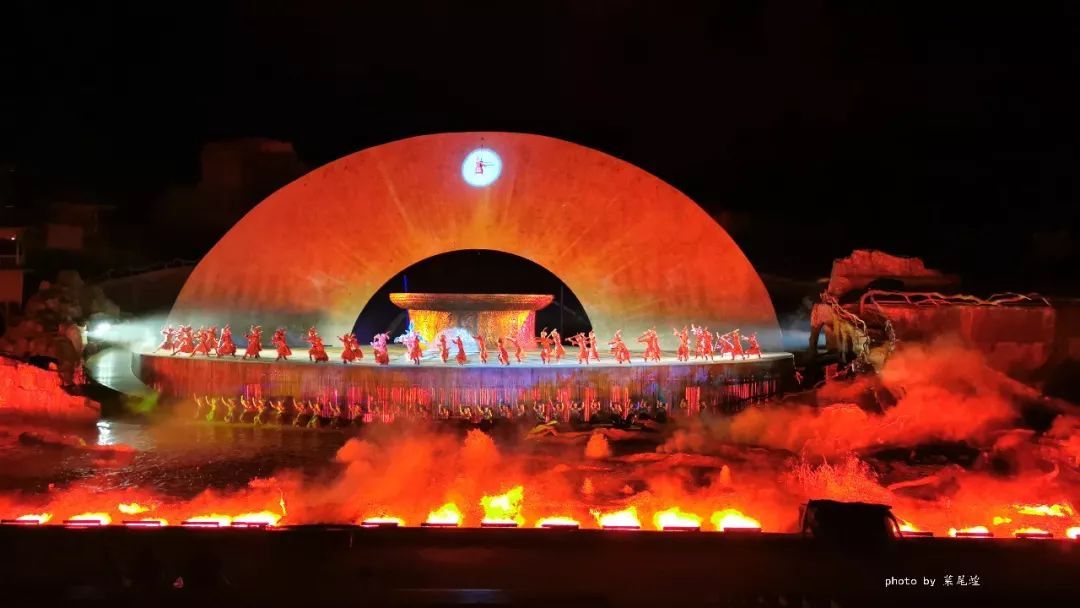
(943, 130)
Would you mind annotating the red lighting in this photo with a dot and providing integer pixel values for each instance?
(498, 524)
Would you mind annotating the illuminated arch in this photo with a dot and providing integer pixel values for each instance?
(636, 252)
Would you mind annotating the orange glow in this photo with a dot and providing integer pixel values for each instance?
(131, 508)
(998, 520)
(1073, 532)
(627, 518)
(268, 518)
(446, 515)
(906, 526)
(504, 508)
(383, 520)
(1032, 531)
(971, 530)
(675, 518)
(733, 519)
(221, 520)
(38, 517)
(1055, 510)
(557, 521)
(102, 518)
(157, 520)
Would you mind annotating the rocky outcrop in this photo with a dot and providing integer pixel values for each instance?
(30, 392)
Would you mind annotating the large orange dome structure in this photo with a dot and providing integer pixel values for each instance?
(636, 251)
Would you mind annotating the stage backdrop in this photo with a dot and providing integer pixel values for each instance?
(636, 251)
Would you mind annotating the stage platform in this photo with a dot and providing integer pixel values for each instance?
(701, 384)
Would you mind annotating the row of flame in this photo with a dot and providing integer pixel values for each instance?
(504, 510)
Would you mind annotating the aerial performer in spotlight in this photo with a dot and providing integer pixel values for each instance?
(754, 348)
(226, 348)
(279, 342)
(254, 345)
(186, 343)
(556, 341)
(169, 343)
(461, 358)
(482, 343)
(593, 341)
(504, 356)
(317, 351)
(683, 353)
(444, 348)
(378, 346)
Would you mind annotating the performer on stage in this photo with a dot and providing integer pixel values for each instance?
(556, 342)
(517, 348)
(254, 345)
(350, 349)
(683, 353)
(317, 351)
(187, 341)
(618, 348)
(652, 345)
(726, 345)
(461, 358)
(593, 341)
(482, 343)
(582, 342)
(382, 352)
(203, 347)
(754, 348)
(504, 357)
(279, 342)
(211, 340)
(227, 348)
(444, 348)
(169, 343)
(545, 346)
(707, 344)
(736, 340)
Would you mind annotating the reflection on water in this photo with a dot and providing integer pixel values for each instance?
(179, 459)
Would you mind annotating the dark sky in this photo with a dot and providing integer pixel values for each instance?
(945, 130)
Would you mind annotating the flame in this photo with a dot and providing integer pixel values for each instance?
(627, 518)
(1000, 519)
(557, 520)
(448, 514)
(1031, 530)
(383, 519)
(906, 526)
(971, 530)
(38, 517)
(102, 518)
(675, 518)
(131, 508)
(1055, 510)
(1073, 532)
(504, 508)
(221, 520)
(733, 519)
(268, 518)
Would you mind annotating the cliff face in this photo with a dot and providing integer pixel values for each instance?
(29, 392)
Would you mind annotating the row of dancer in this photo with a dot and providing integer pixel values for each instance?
(206, 341)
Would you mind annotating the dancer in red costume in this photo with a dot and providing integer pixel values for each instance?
(444, 348)
(227, 348)
(382, 352)
(683, 353)
(416, 351)
(556, 341)
(203, 348)
(618, 348)
(545, 346)
(504, 357)
(279, 342)
(254, 345)
(726, 346)
(212, 340)
(652, 345)
(349, 348)
(593, 341)
(482, 343)
(461, 358)
(169, 343)
(754, 348)
(517, 348)
(317, 351)
(579, 340)
(707, 344)
(699, 341)
(186, 343)
(736, 341)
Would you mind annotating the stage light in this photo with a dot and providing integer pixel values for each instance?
(481, 167)
(100, 329)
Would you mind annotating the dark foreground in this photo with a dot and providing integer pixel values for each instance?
(339, 566)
